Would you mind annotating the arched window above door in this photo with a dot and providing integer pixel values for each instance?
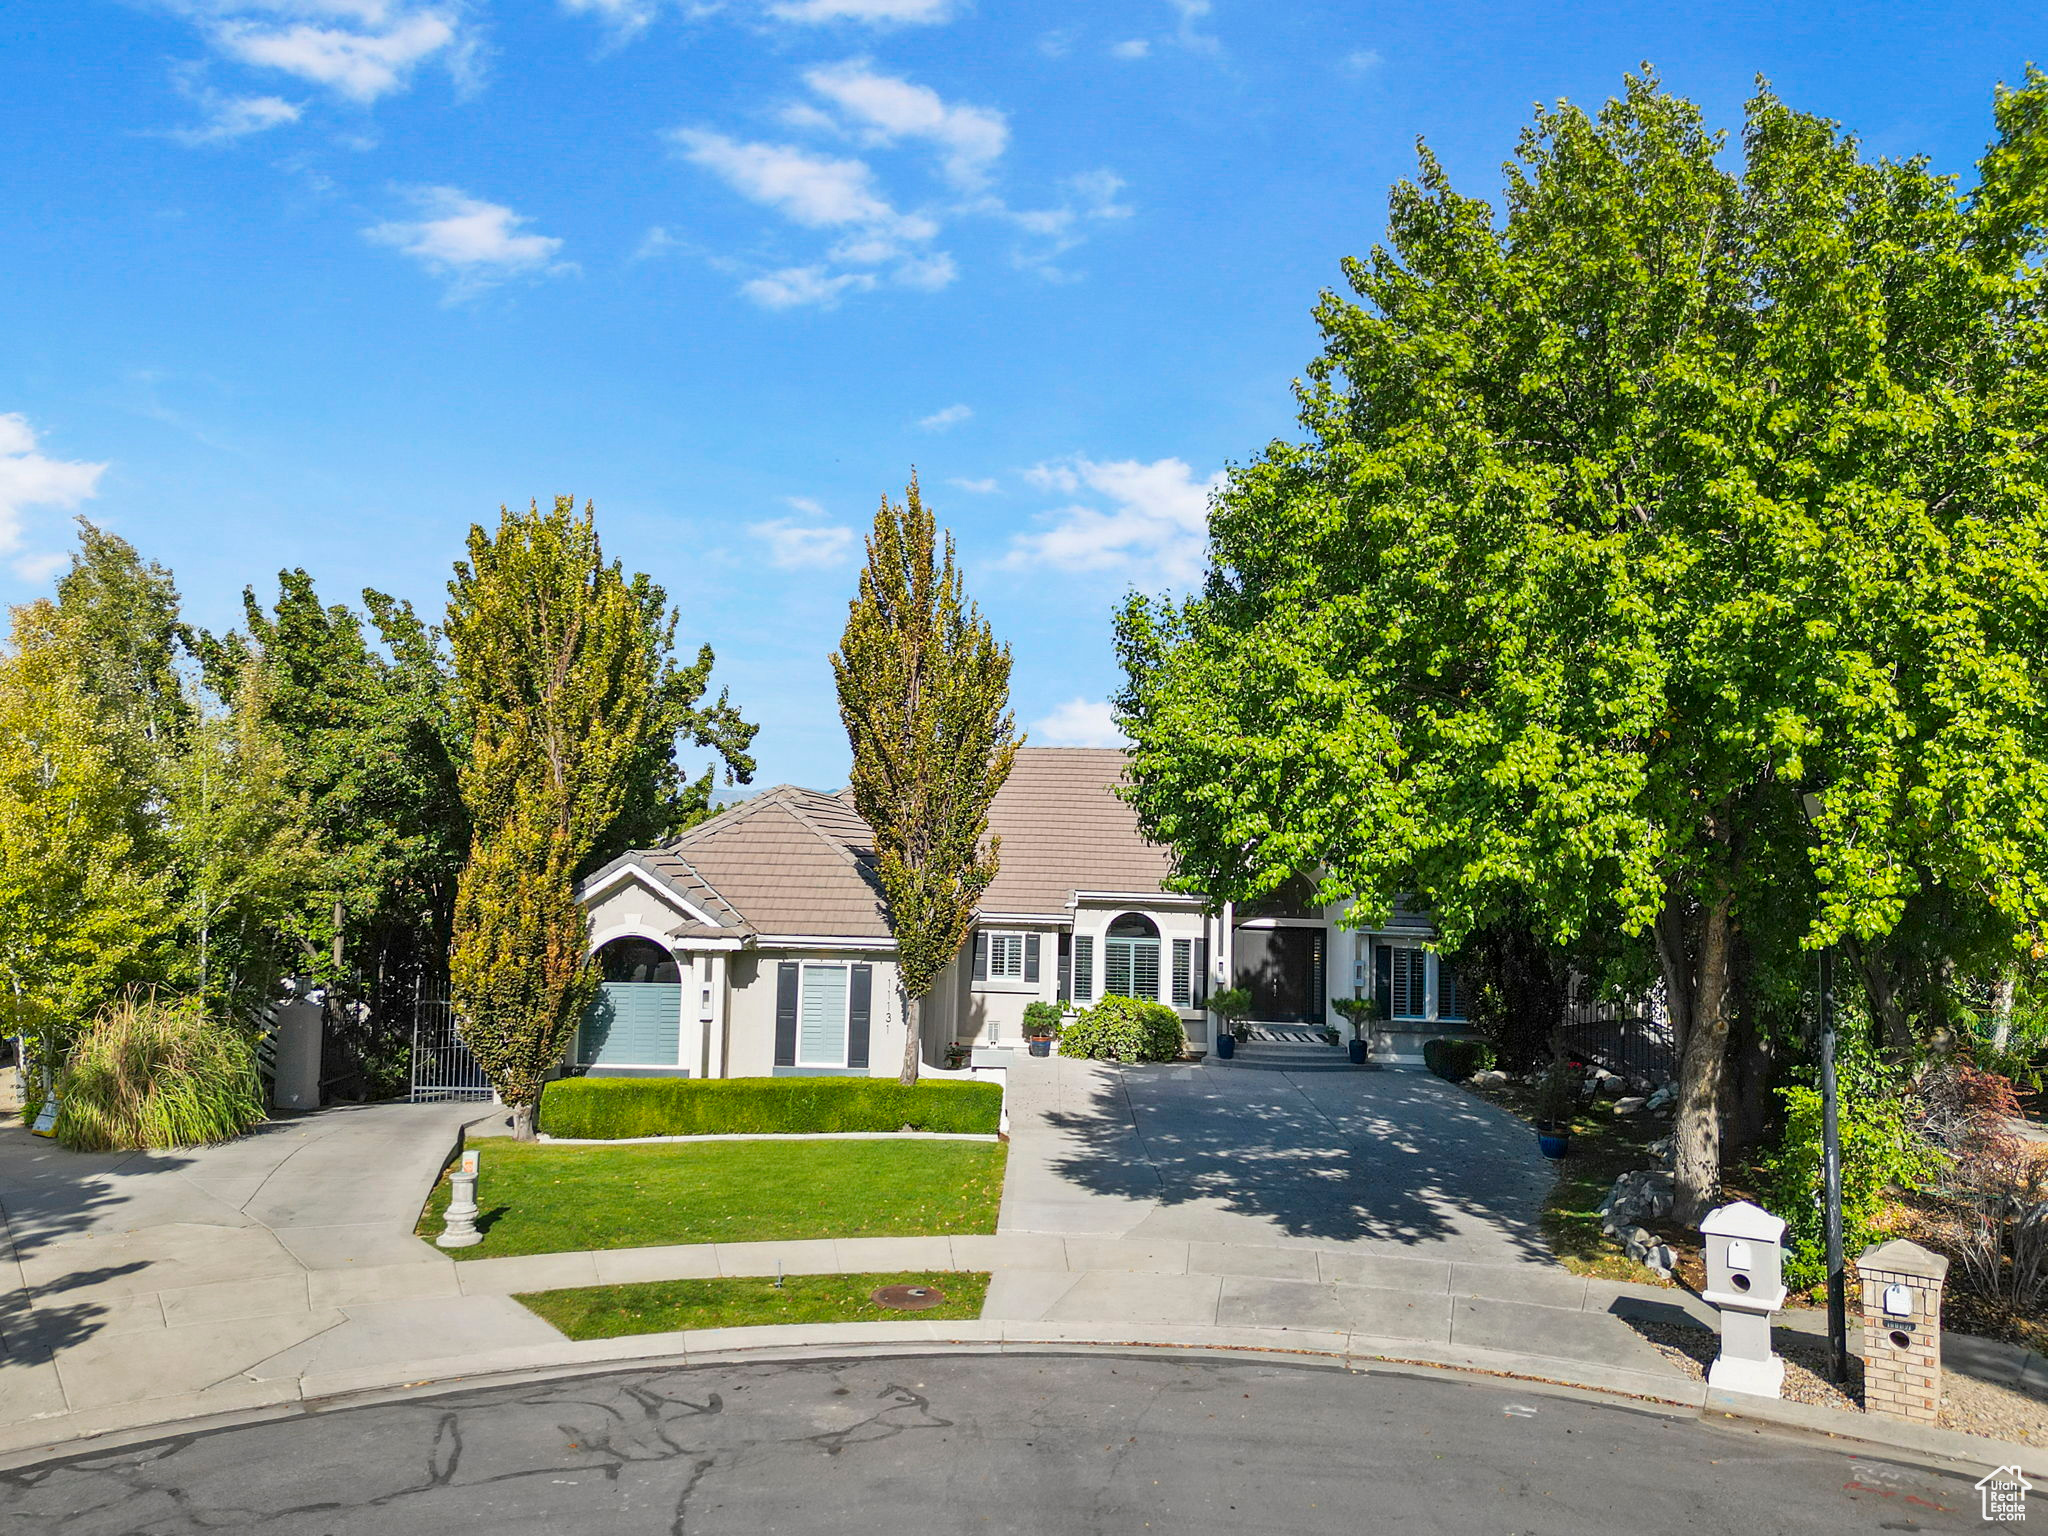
(637, 960)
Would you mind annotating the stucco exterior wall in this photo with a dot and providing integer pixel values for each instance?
(750, 1010)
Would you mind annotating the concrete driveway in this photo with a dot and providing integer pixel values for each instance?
(197, 1274)
(1392, 1164)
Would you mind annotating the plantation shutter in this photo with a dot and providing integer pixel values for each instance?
(1145, 968)
(1201, 970)
(1031, 957)
(1066, 964)
(980, 956)
(786, 975)
(1183, 973)
(857, 1015)
(1116, 968)
(1084, 967)
(1410, 977)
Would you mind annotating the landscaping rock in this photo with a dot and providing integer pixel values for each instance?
(1665, 1150)
(1606, 1084)
(1629, 1106)
(1664, 1097)
(1490, 1078)
(1645, 1195)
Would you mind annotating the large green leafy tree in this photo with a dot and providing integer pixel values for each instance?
(568, 699)
(924, 690)
(84, 907)
(1625, 516)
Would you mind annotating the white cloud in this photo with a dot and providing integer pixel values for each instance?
(1154, 526)
(467, 240)
(1078, 723)
(796, 546)
(1362, 61)
(886, 109)
(31, 479)
(816, 190)
(656, 242)
(1191, 14)
(624, 17)
(874, 12)
(235, 117)
(951, 416)
(1130, 48)
(794, 287)
(359, 49)
(977, 487)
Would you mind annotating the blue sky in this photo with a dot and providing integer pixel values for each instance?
(320, 282)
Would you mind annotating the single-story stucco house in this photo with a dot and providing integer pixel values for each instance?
(755, 944)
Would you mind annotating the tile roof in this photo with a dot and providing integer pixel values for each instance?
(798, 861)
(1064, 830)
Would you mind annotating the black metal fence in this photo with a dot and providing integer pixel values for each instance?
(442, 1067)
(1630, 1037)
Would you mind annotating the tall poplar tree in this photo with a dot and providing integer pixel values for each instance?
(1626, 515)
(567, 693)
(924, 690)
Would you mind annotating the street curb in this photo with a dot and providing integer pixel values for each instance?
(1897, 1434)
(252, 1402)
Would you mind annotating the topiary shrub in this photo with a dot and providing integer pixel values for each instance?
(1125, 1029)
(613, 1108)
(157, 1072)
(1454, 1060)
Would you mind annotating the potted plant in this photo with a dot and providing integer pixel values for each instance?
(1042, 1024)
(1361, 1013)
(1229, 1004)
(1557, 1102)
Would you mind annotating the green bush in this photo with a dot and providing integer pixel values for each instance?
(1125, 1029)
(611, 1108)
(1044, 1021)
(1454, 1060)
(157, 1072)
(1880, 1148)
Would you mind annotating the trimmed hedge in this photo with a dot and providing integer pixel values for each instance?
(1455, 1060)
(612, 1108)
(1125, 1029)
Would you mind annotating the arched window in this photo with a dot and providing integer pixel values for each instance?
(1130, 957)
(637, 960)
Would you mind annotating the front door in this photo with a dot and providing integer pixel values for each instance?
(1283, 968)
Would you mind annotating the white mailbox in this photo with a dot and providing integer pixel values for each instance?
(1745, 1283)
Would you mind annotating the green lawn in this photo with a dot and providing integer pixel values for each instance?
(662, 1306)
(537, 1198)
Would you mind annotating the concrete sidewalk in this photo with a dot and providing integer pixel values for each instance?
(128, 1277)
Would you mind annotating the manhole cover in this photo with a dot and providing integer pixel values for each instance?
(908, 1298)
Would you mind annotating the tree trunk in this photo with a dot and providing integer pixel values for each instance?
(913, 1039)
(1703, 1069)
(524, 1121)
(2002, 989)
(1880, 987)
(1674, 960)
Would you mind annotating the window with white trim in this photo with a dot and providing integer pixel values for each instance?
(1409, 994)
(1006, 956)
(1450, 997)
(824, 1005)
(1130, 958)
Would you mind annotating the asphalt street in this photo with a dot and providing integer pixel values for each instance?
(968, 1443)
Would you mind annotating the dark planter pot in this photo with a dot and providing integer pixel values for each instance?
(1553, 1141)
(1357, 1053)
(1041, 1047)
(1226, 1046)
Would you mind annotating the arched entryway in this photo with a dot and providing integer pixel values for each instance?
(1130, 957)
(636, 1019)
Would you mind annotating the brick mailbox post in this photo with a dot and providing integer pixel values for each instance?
(1902, 1329)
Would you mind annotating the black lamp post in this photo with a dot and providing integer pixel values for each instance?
(1831, 1159)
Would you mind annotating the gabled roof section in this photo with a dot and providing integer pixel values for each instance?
(789, 860)
(1064, 829)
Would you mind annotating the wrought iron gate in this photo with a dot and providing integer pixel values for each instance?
(442, 1067)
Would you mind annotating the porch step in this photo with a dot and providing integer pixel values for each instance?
(1261, 1056)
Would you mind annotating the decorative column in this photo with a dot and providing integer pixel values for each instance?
(1902, 1329)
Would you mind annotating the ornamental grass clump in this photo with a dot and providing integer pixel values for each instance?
(157, 1072)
